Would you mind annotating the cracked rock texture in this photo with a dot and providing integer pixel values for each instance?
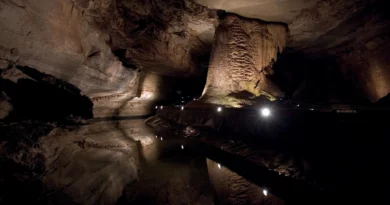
(242, 57)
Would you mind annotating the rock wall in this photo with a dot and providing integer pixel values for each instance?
(242, 57)
(369, 69)
(74, 41)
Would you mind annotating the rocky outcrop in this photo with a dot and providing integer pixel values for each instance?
(170, 37)
(242, 57)
(354, 30)
(95, 47)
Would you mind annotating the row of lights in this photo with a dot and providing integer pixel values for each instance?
(265, 112)
(182, 146)
(162, 107)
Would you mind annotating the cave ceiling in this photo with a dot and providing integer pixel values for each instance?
(177, 35)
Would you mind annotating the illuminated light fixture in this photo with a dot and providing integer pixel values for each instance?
(312, 109)
(156, 107)
(298, 105)
(182, 146)
(194, 98)
(265, 112)
(219, 166)
(156, 136)
(182, 107)
(219, 109)
(161, 107)
(265, 192)
(161, 138)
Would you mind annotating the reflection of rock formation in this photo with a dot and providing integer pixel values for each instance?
(231, 188)
(93, 164)
(242, 57)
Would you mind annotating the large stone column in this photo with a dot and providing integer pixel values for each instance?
(242, 57)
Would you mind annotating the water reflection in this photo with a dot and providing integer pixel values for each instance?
(127, 162)
(231, 188)
(124, 163)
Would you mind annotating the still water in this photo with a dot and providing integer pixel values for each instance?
(127, 162)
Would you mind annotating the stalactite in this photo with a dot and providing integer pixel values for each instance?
(242, 49)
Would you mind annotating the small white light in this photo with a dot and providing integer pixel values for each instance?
(182, 107)
(182, 146)
(156, 107)
(312, 109)
(161, 107)
(156, 136)
(265, 112)
(265, 192)
(194, 98)
(219, 166)
(298, 105)
(219, 109)
(161, 138)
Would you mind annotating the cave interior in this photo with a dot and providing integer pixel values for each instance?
(194, 101)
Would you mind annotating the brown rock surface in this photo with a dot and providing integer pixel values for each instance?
(242, 52)
(352, 30)
(97, 45)
(73, 41)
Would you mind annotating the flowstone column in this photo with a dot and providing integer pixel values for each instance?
(242, 57)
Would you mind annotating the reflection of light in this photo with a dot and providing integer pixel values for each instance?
(182, 146)
(265, 192)
(156, 107)
(161, 138)
(298, 105)
(156, 136)
(265, 112)
(219, 166)
(219, 109)
(312, 109)
(182, 107)
(161, 107)
(194, 99)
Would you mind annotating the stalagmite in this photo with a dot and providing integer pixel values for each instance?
(242, 57)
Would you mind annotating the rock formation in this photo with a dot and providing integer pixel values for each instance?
(242, 57)
(101, 46)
